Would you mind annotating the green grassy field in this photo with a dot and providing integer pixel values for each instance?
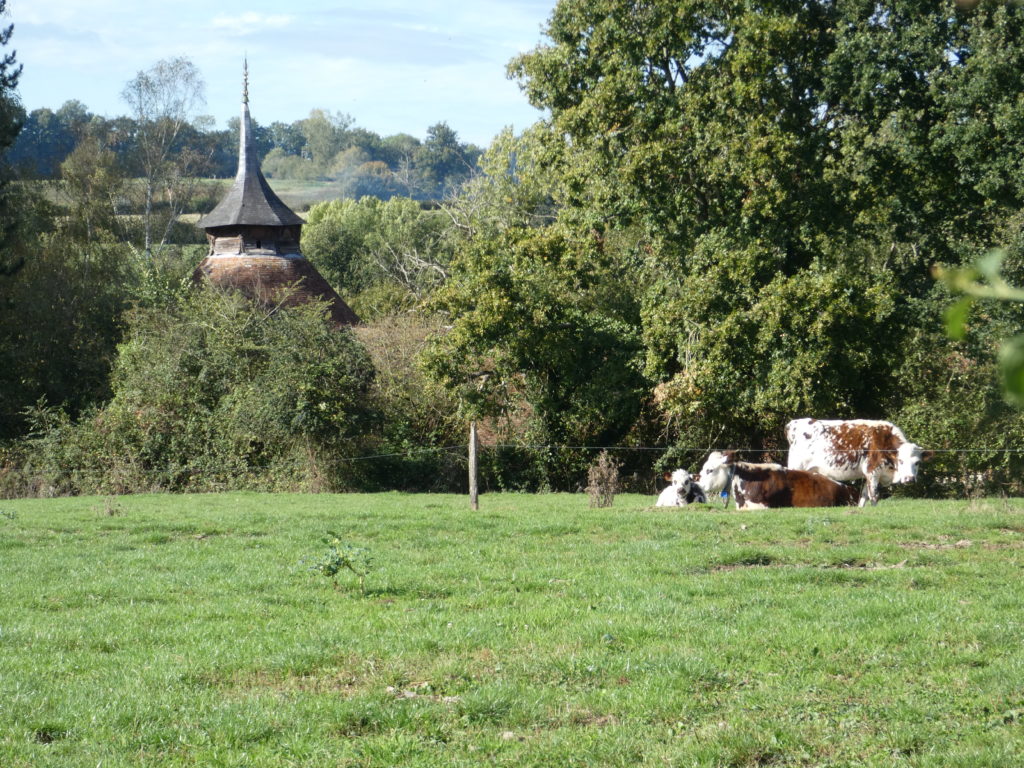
(190, 631)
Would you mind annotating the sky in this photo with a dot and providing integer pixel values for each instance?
(394, 66)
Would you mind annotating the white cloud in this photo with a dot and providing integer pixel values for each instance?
(250, 23)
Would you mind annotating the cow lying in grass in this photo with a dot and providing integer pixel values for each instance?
(768, 486)
(682, 490)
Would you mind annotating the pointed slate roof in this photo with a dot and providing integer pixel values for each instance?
(251, 200)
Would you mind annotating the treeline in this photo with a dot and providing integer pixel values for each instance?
(324, 146)
(730, 218)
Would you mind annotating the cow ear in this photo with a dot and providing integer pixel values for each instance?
(666, 476)
(729, 456)
(927, 455)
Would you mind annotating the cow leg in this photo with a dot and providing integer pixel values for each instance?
(870, 491)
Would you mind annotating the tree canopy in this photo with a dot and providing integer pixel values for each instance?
(781, 178)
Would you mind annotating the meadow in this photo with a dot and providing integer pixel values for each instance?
(194, 631)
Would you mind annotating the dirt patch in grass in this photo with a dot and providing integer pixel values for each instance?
(943, 542)
(345, 681)
(592, 720)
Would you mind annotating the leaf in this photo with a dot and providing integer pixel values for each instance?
(1011, 361)
(991, 264)
(956, 318)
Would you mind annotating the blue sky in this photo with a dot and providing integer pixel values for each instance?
(393, 65)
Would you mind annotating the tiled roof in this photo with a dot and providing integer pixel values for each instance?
(250, 200)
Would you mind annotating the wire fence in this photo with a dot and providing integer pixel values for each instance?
(504, 466)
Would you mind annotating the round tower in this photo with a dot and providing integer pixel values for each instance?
(254, 240)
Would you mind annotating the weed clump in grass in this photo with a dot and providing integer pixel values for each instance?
(111, 507)
(342, 556)
(603, 480)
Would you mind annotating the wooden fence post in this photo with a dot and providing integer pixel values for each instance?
(474, 496)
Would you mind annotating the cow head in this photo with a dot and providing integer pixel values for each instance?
(681, 477)
(714, 475)
(908, 457)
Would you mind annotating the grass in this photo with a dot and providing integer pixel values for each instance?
(299, 195)
(191, 631)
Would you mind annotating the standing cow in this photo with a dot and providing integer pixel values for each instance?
(876, 451)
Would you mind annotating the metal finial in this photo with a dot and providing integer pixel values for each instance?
(245, 80)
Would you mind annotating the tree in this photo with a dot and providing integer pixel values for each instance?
(287, 137)
(540, 316)
(442, 162)
(761, 148)
(393, 251)
(325, 136)
(10, 124)
(60, 318)
(91, 182)
(164, 101)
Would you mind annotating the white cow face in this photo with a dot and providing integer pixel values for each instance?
(714, 475)
(682, 478)
(908, 458)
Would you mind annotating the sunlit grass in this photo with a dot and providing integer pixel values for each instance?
(191, 630)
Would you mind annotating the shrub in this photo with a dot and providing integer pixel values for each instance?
(216, 393)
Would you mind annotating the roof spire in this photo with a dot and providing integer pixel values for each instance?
(250, 201)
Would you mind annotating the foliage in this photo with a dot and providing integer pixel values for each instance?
(419, 419)
(815, 342)
(368, 243)
(322, 146)
(92, 183)
(342, 556)
(324, 134)
(217, 393)
(791, 174)
(11, 119)
(547, 318)
(984, 280)
(60, 322)
(514, 189)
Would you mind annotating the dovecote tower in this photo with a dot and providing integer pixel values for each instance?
(254, 239)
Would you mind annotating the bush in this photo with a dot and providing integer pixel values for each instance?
(419, 419)
(212, 394)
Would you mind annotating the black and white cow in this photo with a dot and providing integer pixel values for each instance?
(681, 490)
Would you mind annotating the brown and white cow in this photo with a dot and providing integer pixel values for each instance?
(768, 486)
(876, 451)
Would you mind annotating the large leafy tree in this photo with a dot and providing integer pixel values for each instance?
(797, 167)
(542, 316)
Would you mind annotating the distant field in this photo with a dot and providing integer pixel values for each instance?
(298, 195)
(190, 631)
(301, 195)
